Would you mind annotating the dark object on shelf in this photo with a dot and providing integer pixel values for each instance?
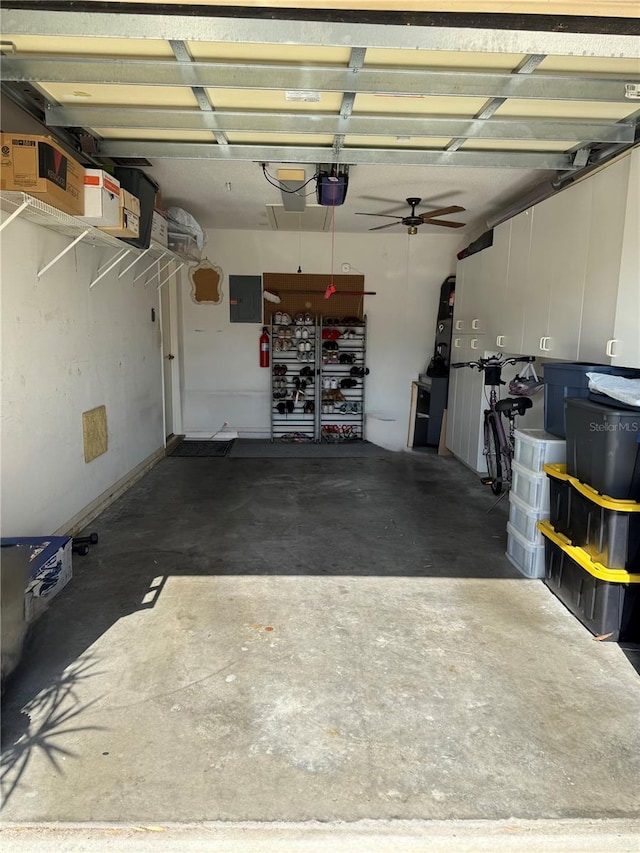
(603, 448)
(605, 607)
(447, 298)
(569, 379)
(438, 366)
(145, 189)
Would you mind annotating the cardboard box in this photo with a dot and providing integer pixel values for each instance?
(37, 165)
(101, 198)
(50, 569)
(128, 217)
(159, 232)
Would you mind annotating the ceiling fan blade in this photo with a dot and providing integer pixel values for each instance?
(446, 222)
(386, 215)
(388, 225)
(441, 211)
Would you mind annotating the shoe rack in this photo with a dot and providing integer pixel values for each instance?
(341, 383)
(318, 376)
(294, 377)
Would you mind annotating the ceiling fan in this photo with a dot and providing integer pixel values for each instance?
(413, 220)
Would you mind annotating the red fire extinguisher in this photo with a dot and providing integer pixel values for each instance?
(264, 348)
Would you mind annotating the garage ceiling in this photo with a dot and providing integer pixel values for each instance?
(479, 112)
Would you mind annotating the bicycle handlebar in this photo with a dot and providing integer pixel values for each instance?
(494, 361)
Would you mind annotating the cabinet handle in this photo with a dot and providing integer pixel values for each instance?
(474, 343)
(500, 341)
(544, 344)
(609, 348)
(475, 324)
(456, 343)
(459, 325)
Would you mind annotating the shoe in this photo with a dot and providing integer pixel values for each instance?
(306, 371)
(298, 333)
(285, 319)
(277, 345)
(308, 319)
(280, 408)
(277, 318)
(299, 318)
(289, 404)
(356, 370)
(304, 333)
(346, 358)
(348, 383)
(307, 346)
(309, 407)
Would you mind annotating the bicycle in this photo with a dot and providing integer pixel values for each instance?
(499, 445)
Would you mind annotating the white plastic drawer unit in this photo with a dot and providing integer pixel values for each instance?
(526, 556)
(535, 448)
(530, 487)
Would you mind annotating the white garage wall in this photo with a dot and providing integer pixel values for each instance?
(67, 349)
(222, 382)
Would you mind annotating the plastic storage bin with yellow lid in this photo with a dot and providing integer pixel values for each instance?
(607, 602)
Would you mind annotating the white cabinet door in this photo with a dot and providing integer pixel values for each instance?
(609, 192)
(497, 263)
(455, 405)
(570, 245)
(509, 338)
(624, 348)
(537, 292)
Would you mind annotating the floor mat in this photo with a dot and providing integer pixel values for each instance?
(264, 449)
(202, 448)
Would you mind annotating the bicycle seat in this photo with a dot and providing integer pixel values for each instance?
(511, 406)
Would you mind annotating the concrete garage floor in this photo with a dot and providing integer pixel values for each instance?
(318, 640)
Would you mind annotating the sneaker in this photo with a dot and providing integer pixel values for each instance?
(277, 318)
(298, 332)
(285, 319)
(308, 319)
(277, 345)
(348, 383)
(304, 333)
(299, 318)
(333, 383)
(307, 346)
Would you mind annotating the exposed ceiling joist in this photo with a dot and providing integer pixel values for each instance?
(301, 32)
(137, 72)
(131, 118)
(302, 154)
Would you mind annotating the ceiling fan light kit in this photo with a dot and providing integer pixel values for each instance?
(414, 220)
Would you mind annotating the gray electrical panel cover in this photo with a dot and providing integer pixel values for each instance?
(245, 298)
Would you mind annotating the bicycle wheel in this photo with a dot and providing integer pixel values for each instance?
(493, 454)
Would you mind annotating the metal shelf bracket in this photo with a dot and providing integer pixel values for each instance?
(62, 253)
